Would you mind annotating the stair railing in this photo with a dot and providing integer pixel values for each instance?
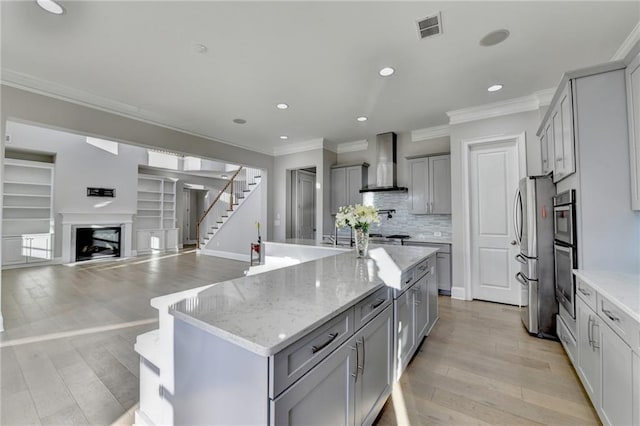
(229, 186)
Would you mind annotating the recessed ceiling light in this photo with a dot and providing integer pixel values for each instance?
(494, 37)
(200, 48)
(284, 138)
(50, 6)
(495, 88)
(282, 106)
(239, 120)
(386, 71)
(362, 118)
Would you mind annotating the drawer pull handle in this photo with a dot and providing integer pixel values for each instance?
(610, 315)
(585, 292)
(380, 302)
(408, 281)
(332, 337)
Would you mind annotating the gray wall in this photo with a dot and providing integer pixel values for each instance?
(321, 159)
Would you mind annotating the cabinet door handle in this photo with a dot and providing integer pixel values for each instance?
(610, 314)
(332, 337)
(380, 302)
(583, 291)
(558, 159)
(593, 343)
(355, 375)
(364, 355)
(589, 331)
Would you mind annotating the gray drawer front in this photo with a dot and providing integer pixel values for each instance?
(371, 306)
(291, 363)
(587, 293)
(624, 325)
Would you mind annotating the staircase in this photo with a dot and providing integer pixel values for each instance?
(243, 182)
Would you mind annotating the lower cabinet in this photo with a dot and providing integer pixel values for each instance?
(443, 266)
(589, 348)
(28, 248)
(324, 396)
(432, 290)
(156, 239)
(405, 334)
(617, 382)
(349, 387)
(607, 366)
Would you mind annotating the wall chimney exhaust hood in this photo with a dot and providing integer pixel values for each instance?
(386, 165)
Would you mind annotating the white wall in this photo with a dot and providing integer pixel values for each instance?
(239, 230)
(79, 165)
(506, 125)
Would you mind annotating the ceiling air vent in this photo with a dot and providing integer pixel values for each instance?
(430, 26)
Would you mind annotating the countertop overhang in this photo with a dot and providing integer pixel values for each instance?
(267, 312)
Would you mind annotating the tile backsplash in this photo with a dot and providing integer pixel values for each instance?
(402, 221)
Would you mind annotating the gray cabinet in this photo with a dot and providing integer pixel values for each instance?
(617, 383)
(421, 306)
(349, 387)
(588, 325)
(405, 334)
(346, 183)
(375, 367)
(430, 186)
(443, 264)
(324, 396)
(633, 107)
(432, 297)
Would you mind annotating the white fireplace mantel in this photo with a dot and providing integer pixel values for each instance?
(71, 221)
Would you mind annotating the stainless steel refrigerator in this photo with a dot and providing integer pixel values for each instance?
(533, 220)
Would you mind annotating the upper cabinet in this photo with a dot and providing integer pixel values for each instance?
(346, 183)
(556, 137)
(633, 106)
(430, 185)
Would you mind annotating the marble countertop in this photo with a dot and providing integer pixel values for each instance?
(265, 313)
(621, 289)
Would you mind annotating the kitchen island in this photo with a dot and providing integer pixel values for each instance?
(320, 341)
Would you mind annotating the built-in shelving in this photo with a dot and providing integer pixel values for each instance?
(27, 211)
(156, 214)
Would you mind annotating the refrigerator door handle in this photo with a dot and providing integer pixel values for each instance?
(517, 216)
(522, 280)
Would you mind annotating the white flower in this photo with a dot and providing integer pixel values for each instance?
(358, 217)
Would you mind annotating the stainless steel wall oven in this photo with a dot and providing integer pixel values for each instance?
(564, 249)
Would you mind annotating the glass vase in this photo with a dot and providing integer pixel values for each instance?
(362, 242)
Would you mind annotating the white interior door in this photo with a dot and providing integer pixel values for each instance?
(493, 181)
(306, 205)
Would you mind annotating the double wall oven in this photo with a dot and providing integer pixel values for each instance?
(564, 248)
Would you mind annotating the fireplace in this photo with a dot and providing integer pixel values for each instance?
(97, 242)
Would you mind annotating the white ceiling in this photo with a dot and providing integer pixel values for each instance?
(321, 58)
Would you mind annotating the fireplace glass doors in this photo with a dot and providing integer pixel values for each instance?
(97, 243)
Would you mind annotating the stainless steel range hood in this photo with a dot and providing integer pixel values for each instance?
(386, 165)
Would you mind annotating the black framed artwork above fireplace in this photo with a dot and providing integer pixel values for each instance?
(98, 242)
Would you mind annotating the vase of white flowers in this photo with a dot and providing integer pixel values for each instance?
(359, 218)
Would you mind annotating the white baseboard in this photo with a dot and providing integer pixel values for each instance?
(225, 254)
(180, 246)
(458, 293)
(134, 253)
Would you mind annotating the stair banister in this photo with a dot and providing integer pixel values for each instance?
(204, 215)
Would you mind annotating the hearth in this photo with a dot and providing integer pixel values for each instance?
(97, 242)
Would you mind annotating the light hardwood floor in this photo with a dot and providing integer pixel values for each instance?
(67, 353)
(479, 366)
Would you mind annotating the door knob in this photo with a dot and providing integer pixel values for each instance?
(513, 243)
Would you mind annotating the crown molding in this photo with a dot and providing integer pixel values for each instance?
(309, 145)
(627, 44)
(501, 108)
(545, 96)
(354, 146)
(430, 133)
(43, 87)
